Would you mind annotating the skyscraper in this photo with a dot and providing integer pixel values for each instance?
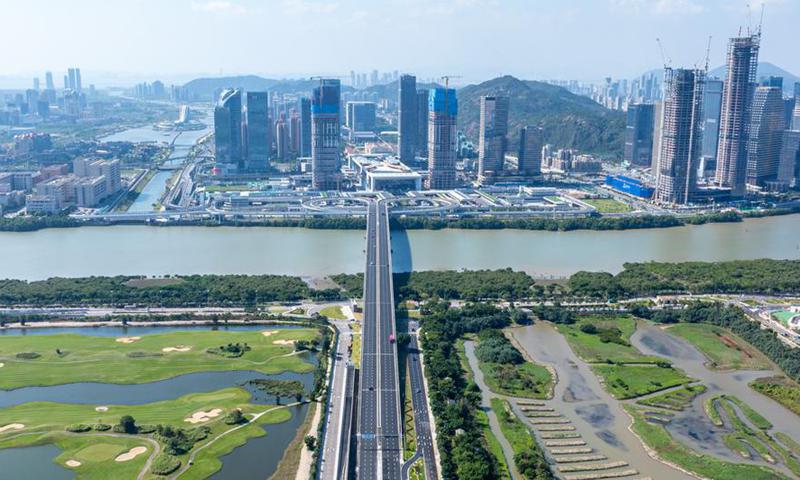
(78, 84)
(796, 114)
(421, 144)
(767, 124)
(72, 83)
(48, 81)
(639, 134)
(325, 135)
(228, 131)
(789, 166)
(658, 115)
(442, 115)
(407, 118)
(305, 126)
(681, 135)
(737, 99)
(361, 116)
(492, 137)
(282, 140)
(712, 105)
(529, 160)
(259, 138)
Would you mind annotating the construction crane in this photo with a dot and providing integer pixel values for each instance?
(708, 53)
(664, 58)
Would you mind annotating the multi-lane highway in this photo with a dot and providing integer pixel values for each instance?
(379, 429)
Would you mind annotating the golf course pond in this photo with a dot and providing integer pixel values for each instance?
(257, 459)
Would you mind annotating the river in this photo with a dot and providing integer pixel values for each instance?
(144, 250)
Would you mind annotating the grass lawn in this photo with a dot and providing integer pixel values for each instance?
(658, 438)
(780, 389)
(608, 205)
(593, 350)
(517, 434)
(677, 399)
(630, 381)
(527, 380)
(68, 358)
(45, 423)
(724, 349)
(334, 312)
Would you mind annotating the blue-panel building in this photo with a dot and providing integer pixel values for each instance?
(630, 186)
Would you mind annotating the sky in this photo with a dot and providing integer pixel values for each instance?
(123, 41)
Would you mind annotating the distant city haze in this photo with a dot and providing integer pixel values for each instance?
(121, 42)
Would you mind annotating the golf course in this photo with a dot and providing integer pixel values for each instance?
(181, 437)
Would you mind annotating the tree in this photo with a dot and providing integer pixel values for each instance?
(589, 328)
(235, 417)
(311, 442)
(128, 425)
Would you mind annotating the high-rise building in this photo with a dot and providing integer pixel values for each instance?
(305, 127)
(796, 114)
(639, 134)
(66, 82)
(442, 116)
(658, 118)
(737, 99)
(78, 84)
(796, 89)
(767, 124)
(681, 135)
(421, 144)
(325, 135)
(529, 160)
(259, 132)
(72, 83)
(36, 83)
(294, 132)
(789, 168)
(48, 81)
(407, 118)
(712, 106)
(361, 116)
(492, 136)
(228, 131)
(282, 140)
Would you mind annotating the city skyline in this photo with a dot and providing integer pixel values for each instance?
(514, 33)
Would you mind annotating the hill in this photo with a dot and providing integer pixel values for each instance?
(568, 120)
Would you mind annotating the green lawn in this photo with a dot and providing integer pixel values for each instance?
(521, 438)
(631, 381)
(334, 312)
(45, 422)
(593, 350)
(68, 358)
(724, 349)
(677, 399)
(656, 437)
(527, 380)
(493, 445)
(608, 205)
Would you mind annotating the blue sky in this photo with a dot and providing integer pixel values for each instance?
(478, 39)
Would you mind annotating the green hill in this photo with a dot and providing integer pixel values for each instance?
(568, 120)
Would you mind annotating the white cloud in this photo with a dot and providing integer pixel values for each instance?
(303, 7)
(218, 6)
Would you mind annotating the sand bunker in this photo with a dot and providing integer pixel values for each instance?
(130, 454)
(267, 333)
(200, 417)
(128, 339)
(283, 342)
(12, 426)
(72, 463)
(179, 348)
(2, 365)
(101, 409)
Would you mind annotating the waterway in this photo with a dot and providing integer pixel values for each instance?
(182, 143)
(143, 250)
(256, 460)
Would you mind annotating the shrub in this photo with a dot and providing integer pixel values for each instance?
(165, 464)
(589, 328)
(235, 417)
(28, 355)
(127, 424)
(78, 428)
(101, 427)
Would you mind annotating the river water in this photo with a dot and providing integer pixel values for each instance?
(256, 460)
(143, 250)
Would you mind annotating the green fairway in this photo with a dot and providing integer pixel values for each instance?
(334, 312)
(724, 350)
(656, 437)
(45, 422)
(630, 381)
(40, 360)
(592, 348)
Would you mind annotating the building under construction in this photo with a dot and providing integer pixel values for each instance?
(737, 99)
(680, 135)
(442, 114)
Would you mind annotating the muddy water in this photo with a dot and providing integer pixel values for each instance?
(692, 426)
(579, 396)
